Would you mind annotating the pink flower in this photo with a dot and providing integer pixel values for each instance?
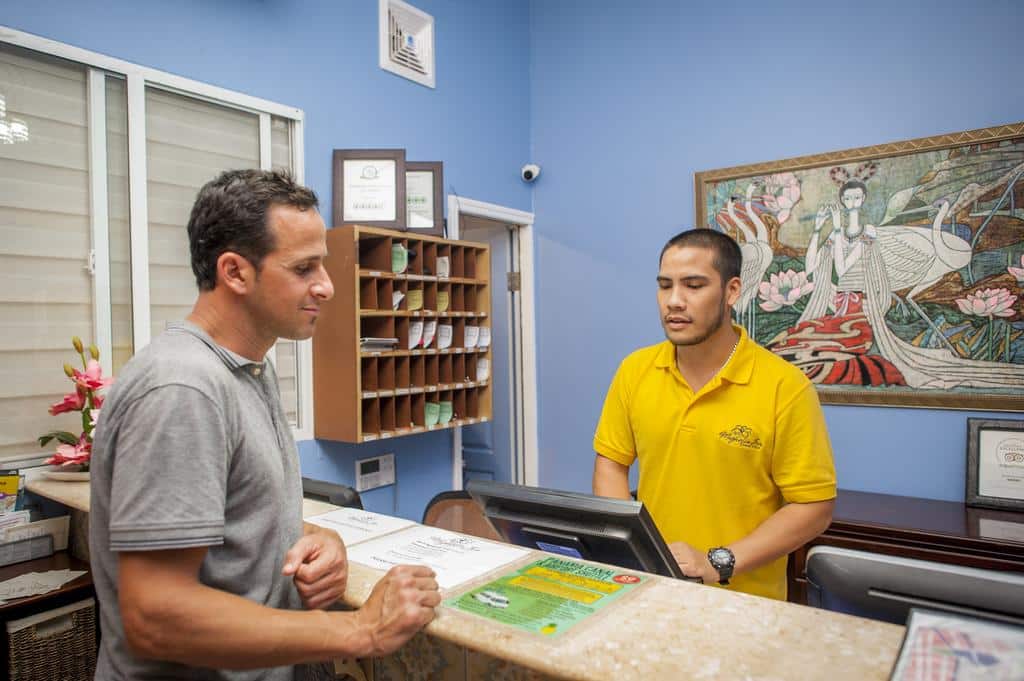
(782, 192)
(71, 402)
(991, 302)
(1018, 272)
(92, 378)
(783, 289)
(72, 455)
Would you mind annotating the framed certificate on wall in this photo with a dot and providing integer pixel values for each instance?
(995, 463)
(369, 187)
(424, 189)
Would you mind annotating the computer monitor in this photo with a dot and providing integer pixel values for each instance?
(886, 587)
(601, 529)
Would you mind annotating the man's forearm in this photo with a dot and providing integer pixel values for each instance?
(784, 531)
(201, 626)
(611, 479)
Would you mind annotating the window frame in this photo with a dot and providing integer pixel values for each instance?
(138, 79)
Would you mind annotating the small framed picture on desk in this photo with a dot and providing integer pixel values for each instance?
(995, 464)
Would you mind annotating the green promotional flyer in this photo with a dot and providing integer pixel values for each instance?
(547, 596)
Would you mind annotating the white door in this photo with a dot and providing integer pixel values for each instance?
(492, 450)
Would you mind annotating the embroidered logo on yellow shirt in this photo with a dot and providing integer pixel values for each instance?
(744, 436)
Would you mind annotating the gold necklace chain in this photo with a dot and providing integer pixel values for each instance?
(726, 362)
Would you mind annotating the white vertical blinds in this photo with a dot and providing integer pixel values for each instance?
(45, 289)
(188, 143)
(287, 355)
(117, 220)
(46, 283)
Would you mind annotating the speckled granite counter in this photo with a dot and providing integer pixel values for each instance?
(667, 629)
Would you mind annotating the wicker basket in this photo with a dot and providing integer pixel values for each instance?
(56, 645)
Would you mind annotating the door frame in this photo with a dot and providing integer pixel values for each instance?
(525, 382)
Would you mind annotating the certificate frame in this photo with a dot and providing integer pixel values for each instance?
(995, 464)
(436, 194)
(343, 213)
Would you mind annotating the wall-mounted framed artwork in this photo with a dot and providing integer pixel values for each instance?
(369, 187)
(424, 187)
(995, 464)
(891, 274)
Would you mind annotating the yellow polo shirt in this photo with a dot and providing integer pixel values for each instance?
(716, 464)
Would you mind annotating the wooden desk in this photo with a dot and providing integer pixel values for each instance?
(926, 529)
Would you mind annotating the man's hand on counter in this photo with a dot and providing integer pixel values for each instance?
(693, 563)
(318, 564)
(401, 603)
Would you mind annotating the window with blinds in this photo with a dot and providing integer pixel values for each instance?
(286, 350)
(47, 225)
(45, 288)
(188, 143)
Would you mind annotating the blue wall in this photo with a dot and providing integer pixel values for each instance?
(620, 104)
(321, 56)
(628, 100)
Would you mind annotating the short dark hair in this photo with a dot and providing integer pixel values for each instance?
(852, 184)
(728, 261)
(230, 214)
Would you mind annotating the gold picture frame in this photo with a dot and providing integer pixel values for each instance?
(910, 292)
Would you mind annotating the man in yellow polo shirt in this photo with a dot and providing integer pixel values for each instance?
(735, 461)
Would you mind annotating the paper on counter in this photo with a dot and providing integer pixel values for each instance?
(472, 336)
(442, 301)
(444, 336)
(485, 336)
(35, 583)
(415, 333)
(455, 558)
(396, 299)
(445, 411)
(356, 525)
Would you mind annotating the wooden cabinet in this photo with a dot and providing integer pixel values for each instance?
(925, 529)
(364, 392)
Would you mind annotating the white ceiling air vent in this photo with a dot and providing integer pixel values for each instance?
(407, 41)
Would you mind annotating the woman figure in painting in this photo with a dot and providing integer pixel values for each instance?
(833, 349)
(854, 345)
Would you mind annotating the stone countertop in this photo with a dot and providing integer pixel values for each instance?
(72, 494)
(666, 629)
(670, 629)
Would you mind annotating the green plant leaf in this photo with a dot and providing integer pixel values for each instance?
(61, 435)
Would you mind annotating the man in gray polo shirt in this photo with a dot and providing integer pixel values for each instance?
(198, 553)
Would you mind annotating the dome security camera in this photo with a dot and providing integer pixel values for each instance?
(529, 172)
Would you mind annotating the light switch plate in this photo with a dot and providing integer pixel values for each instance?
(376, 471)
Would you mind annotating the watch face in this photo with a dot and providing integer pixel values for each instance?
(721, 557)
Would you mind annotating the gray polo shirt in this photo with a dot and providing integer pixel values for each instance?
(193, 449)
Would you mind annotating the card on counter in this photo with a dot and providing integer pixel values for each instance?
(548, 596)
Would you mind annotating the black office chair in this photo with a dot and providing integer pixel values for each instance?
(456, 511)
(331, 493)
